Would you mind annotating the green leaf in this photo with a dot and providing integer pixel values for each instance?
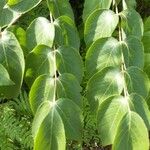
(40, 31)
(137, 81)
(43, 90)
(72, 118)
(146, 24)
(66, 32)
(90, 6)
(69, 61)
(101, 23)
(60, 8)
(139, 105)
(69, 87)
(2, 4)
(20, 34)
(50, 132)
(133, 52)
(129, 4)
(69, 114)
(146, 41)
(4, 77)
(109, 116)
(147, 64)
(13, 2)
(39, 61)
(102, 53)
(40, 115)
(132, 134)
(7, 16)
(132, 23)
(22, 6)
(13, 60)
(105, 83)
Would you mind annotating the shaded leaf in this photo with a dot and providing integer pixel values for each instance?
(146, 41)
(2, 4)
(147, 64)
(60, 8)
(13, 60)
(69, 61)
(20, 34)
(139, 105)
(68, 86)
(131, 23)
(66, 32)
(146, 24)
(137, 81)
(133, 52)
(4, 77)
(10, 16)
(129, 4)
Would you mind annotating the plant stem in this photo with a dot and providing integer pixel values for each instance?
(13, 21)
(55, 66)
(123, 66)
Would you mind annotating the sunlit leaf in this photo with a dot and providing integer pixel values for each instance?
(22, 6)
(39, 61)
(43, 89)
(90, 6)
(50, 133)
(132, 134)
(102, 53)
(101, 23)
(109, 116)
(68, 116)
(105, 83)
(40, 31)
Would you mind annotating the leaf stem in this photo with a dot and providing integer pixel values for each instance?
(123, 66)
(55, 66)
(13, 21)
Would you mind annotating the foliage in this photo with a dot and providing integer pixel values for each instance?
(97, 100)
(15, 124)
